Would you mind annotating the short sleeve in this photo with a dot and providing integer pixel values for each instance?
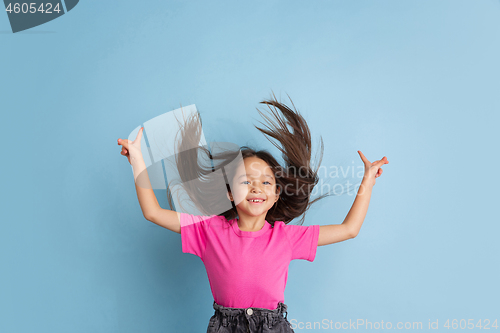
(303, 240)
(194, 230)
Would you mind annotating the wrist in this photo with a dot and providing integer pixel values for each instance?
(137, 163)
(368, 180)
(365, 188)
(136, 157)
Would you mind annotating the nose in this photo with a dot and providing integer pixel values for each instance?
(255, 189)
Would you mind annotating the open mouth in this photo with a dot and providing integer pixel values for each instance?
(256, 201)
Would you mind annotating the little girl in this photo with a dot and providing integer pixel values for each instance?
(247, 249)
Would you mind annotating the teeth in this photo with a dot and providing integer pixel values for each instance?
(256, 200)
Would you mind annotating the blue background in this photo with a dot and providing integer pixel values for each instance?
(416, 81)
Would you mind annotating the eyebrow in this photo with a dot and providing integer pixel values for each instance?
(254, 177)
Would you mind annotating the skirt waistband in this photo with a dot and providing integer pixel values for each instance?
(227, 315)
(282, 308)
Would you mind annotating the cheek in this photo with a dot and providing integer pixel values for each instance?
(240, 193)
(272, 191)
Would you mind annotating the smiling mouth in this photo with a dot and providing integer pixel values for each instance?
(256, 202)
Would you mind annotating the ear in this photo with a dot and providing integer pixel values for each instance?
(229, 196)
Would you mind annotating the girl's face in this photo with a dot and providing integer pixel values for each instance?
(254, 188)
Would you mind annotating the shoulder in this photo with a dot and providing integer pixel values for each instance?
(190, 219)
(292, 230)
(286, 227)
(279, 227)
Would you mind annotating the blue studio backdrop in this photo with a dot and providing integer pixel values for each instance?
(416, 81)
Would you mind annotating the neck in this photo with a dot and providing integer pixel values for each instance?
(251, 223)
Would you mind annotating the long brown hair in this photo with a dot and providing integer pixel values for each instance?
(202, 172)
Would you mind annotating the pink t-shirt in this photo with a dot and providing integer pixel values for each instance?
(247, 268)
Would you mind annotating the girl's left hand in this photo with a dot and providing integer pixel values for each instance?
(373, 170)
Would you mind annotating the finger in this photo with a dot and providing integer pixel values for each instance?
(381, 162)
(363, 158)
(139, 135)
(124, 143)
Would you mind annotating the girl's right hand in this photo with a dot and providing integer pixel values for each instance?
(131, 149)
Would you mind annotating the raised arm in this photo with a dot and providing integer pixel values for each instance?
(334, 233)
(151, 210)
